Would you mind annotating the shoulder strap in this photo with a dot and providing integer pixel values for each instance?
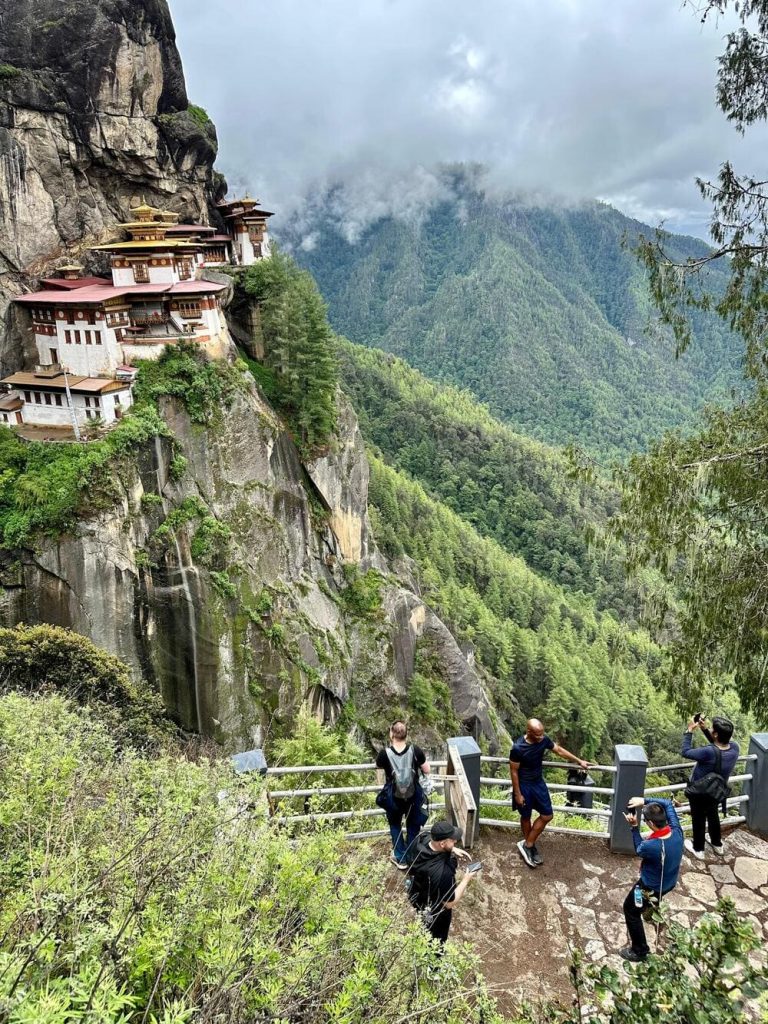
(718, 760)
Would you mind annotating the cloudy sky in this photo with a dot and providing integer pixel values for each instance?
(575, 98)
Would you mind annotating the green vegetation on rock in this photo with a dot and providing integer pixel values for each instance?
(46, 488)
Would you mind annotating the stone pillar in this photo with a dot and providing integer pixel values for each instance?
(631, 766)
(756, 808)
(468, 753)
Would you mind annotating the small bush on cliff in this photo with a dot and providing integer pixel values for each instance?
(135, 890)
(299, 345)
(46, 659)
(203, 386)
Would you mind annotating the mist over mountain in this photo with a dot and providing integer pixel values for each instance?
(539, 308)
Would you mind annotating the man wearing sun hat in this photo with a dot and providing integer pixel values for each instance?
(434, 890)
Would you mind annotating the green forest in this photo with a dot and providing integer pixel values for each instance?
(542, 313)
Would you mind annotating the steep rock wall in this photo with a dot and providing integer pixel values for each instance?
(93, 116)
(237, 644)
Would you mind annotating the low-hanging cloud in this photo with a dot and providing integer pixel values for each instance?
(578, 99)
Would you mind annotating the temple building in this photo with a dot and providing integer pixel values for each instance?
(88, 331)
(248, 227)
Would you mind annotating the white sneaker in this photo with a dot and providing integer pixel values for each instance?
(698, 854)
(719, 850)
(399, 864)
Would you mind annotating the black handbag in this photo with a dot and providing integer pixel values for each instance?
(712, 785)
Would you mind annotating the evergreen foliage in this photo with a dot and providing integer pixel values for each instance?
(509, 488)
(590, 678)
(300, 357)
(540, 312)
(695, 507)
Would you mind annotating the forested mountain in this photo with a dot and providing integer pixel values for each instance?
(540, 311)
(511, 489)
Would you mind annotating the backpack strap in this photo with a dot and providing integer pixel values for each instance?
(718, 761)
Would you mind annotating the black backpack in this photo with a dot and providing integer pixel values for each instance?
(713, 784)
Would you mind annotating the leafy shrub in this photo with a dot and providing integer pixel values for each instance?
(204, 387)
(9, 71)
(45, 659)
(199, 114)
(362, 594)
(152, 890)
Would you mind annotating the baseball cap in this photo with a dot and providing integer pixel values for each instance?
(444, 830)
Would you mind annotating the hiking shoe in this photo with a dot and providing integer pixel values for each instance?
(629, 954)
(400, 865)
(698, 854)
(537, 858)
(719, 850)
(526, 853)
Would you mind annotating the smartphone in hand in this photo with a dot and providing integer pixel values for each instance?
(476, 865)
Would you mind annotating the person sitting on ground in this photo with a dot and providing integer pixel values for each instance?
(705, 814)
(661, 853)
(402, 796)
(529, 790)
(434, 891)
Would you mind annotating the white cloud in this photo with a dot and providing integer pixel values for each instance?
(580, 99)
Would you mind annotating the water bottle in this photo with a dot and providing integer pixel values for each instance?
(638, 897)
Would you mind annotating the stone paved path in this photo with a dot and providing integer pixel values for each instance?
(523, 922)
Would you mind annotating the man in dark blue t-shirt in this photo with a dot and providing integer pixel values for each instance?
(529, 790)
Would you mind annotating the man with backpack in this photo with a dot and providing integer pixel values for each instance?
(708, 787)
(402, 763)
(434, 891)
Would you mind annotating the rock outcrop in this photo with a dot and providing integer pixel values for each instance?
(94, 115)
(236, 644)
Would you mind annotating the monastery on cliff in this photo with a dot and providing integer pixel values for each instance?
(89, 331)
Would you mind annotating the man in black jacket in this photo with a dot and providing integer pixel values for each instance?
(434, 890)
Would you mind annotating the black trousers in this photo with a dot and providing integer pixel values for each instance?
(441, 925)
(634, 918)
(705, 817)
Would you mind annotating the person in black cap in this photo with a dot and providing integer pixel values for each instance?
(434, 890)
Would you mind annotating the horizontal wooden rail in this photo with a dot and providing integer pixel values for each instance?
(560, 787)
(286, 794)
(599, 812)
(683, 785)
(499, 823)
(653, 769)
(337, 815)
(487, 759)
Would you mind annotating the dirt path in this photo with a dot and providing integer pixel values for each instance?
(524, 922)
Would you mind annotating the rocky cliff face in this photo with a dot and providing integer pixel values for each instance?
(236, 645)
(93, 115)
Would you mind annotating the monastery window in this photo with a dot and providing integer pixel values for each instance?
(140, 273)
(78, 340)
(97, 338)
(96, 402)
(68, 337)
(58, 400)
(47, 398)
(27, 396)
(38, 399)
(87, 337)
(189, 310)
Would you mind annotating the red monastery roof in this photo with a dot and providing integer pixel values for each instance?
(100, 293)
(80, 282)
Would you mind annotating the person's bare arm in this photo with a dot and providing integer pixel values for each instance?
(514, 774)
(426, 768)
(460, 888)
(562, 752)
